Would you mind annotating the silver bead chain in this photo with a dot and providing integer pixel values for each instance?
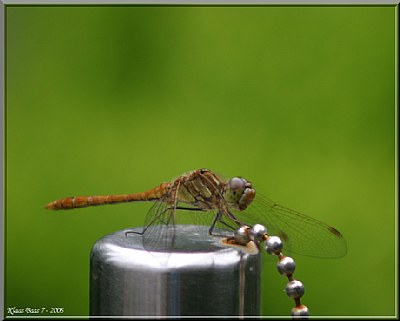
(286, 265)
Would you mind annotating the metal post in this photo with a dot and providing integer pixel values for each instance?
(202, 278)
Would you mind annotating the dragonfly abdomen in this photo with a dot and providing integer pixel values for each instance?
(85, 201)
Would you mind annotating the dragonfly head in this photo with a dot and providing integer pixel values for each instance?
(239, 193)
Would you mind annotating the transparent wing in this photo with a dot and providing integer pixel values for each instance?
(300, 233)
(159, 233)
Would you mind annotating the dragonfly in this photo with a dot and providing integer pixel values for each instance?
(223, 205)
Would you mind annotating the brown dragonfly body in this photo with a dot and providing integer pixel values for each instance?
(200, 188)
(69, 203)
(204, 191)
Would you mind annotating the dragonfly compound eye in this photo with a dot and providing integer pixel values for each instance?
(234, 190)
(237, 183)
(239, 193)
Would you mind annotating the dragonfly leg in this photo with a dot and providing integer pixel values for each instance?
(216, 219)
(234, 219)
(148, 225)
(227, 225)
(138, 233)
(134, 232)
(191, 208)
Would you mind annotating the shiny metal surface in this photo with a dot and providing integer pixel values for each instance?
(199, 276)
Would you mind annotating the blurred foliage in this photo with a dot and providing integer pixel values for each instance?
(106, 100)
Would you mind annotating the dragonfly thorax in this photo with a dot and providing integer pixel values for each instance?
(239, 193)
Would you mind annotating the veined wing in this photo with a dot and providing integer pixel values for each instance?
(159, 233)
(300, 233)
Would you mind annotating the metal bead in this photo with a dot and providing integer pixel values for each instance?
(300, 311)
(242, 235)
(294, 289)
(257, 233)
(286, 265)
(273, 245)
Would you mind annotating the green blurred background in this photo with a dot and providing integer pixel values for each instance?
(107, 100)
